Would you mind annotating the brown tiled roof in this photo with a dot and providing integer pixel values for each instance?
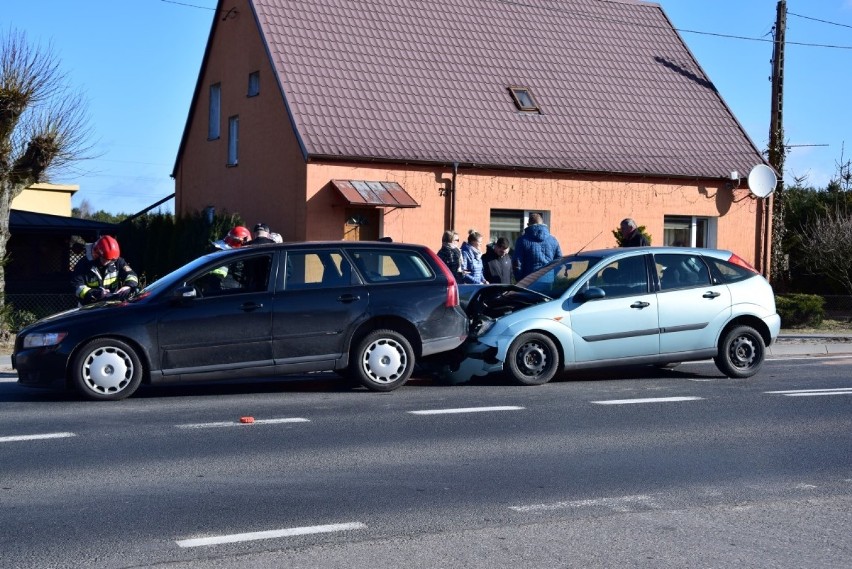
(427, 80)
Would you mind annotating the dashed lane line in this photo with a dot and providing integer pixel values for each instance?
(241, 424)
(466, 410)
(646, 400)
(271, 534)
(36, 437)
(813, 392)
(618, 504)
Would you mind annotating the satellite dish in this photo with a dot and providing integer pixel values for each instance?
(762, 180)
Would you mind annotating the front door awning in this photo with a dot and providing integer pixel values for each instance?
(382, 194)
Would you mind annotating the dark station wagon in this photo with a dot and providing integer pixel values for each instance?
(368, 310)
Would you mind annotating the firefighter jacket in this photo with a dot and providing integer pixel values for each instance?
(90, 276)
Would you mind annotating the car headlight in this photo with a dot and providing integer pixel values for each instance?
(43, 340)
(481, 325)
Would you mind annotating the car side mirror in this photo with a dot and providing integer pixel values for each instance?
(591, 293)
(185, 292)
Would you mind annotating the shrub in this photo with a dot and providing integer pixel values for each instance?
(800, 310)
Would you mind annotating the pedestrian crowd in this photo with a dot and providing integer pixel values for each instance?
(499, 264)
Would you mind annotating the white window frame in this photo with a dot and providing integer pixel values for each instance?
(213, 118)
(694, 223)
(233, 140)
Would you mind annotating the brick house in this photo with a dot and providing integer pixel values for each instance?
(354, 119)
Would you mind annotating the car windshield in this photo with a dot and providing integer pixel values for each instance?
(554, 279)
(175, 277)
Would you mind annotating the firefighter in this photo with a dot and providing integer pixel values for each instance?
(105, 275)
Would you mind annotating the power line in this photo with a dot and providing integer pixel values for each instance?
(586, 15)
(188, 5)
(821, 21)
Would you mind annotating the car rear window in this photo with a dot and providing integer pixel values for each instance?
(729, 272)
(377, 266)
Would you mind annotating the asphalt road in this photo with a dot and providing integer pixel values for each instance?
(627, 468)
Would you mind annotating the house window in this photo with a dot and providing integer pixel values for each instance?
(510, 223)
(524, 99)
(253, 84)
(689, 231)
(215, 105)
(233, 140)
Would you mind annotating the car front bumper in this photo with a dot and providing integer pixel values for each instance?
(40, 367)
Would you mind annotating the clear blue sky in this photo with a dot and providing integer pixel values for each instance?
(137, 62)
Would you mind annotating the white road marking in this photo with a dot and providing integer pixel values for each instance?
(8, 380)
(619, 504)
(239, 424)
(647, 400)
(813, 392)
(36, 437)
(271, 534)
(465, 410)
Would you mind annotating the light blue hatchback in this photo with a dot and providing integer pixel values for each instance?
(646, 305)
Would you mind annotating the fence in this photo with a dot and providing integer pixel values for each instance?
(25, 309)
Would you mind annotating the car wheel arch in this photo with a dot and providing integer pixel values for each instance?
(545, 332)
(401, 325)
(746, 320)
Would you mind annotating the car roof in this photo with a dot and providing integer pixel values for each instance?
(624, 251)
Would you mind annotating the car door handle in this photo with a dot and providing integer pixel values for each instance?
(640, 304)
(712, 294)
(347, 298)
(250, 306)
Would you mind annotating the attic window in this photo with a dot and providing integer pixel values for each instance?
(524, 100)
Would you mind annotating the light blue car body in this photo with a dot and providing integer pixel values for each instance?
(651, 326)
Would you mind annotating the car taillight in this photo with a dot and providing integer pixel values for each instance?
(739, 261)
(452, 285)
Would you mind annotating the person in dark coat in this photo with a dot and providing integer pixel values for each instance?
(262, 235)
(535, 248)
(497, 264)
(450, 253)
(630, 234)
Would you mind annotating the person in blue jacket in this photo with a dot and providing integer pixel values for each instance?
(535, 248)
(471, 259)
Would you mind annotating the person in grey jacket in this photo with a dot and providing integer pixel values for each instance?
(535, 248)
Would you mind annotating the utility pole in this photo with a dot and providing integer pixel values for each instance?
(774, 260)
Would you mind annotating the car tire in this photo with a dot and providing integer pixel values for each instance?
(532, 359)
(106, 369)
(741, 352)
(383, 360)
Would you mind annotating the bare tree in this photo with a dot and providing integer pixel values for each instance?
(43, 126)
(830, 237)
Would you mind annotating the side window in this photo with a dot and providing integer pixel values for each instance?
(728, 272)
(243, 276)
(213, 113)
(681, 271)
(383, 266)
(317, 270)
(253, 84)
(624, 277)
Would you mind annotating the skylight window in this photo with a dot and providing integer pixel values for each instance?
(524, 100)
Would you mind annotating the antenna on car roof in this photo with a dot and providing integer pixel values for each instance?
(589, 243)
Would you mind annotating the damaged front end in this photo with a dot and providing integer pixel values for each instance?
(481, 354)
